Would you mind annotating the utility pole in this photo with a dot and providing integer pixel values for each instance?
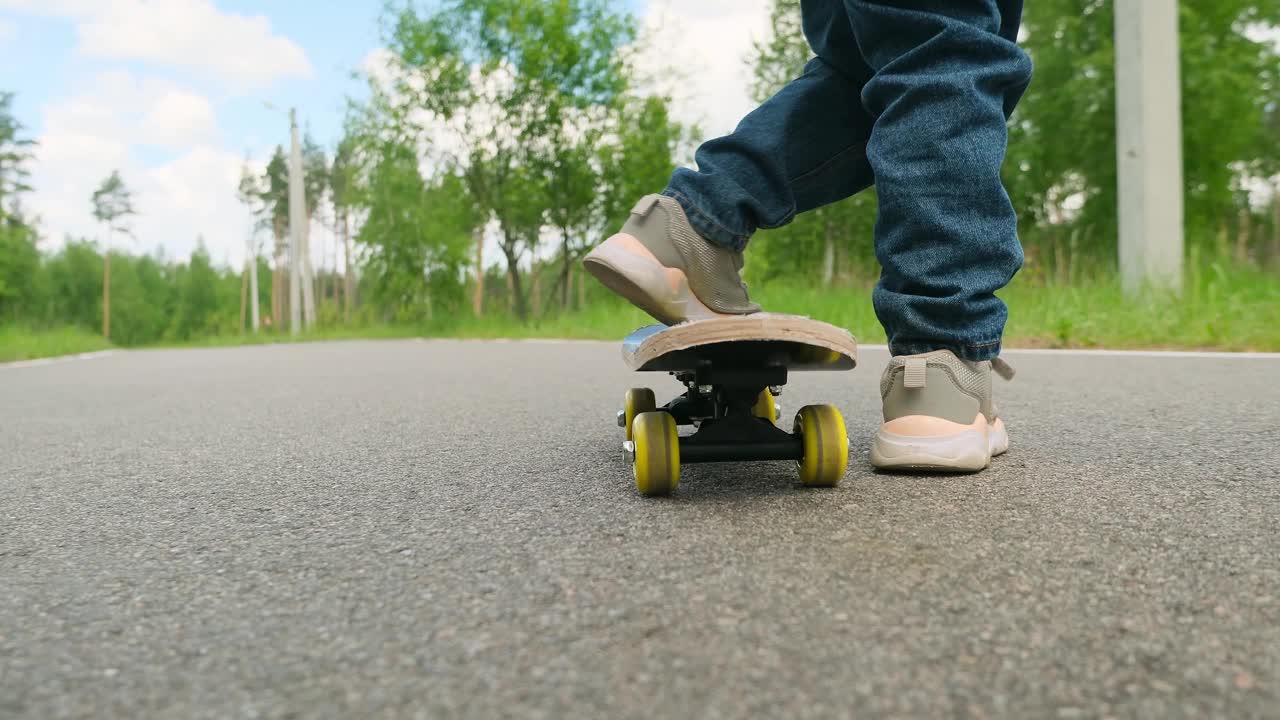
(253, 278)
(297, 226)
(1149, 144)
(308, 273)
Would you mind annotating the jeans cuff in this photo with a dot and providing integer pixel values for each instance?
(707, 227)
(973, 352)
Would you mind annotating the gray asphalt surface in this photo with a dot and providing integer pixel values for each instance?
(449, 529)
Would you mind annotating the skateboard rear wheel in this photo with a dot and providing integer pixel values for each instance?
(657, 453)
(826, 445)
(638, 400)
(766, 407)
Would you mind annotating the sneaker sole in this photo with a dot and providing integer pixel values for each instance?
(968, 451)
(627, 268)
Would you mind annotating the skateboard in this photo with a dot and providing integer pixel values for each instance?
(733, 370)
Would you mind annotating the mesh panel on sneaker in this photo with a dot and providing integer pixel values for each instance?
(713, 271)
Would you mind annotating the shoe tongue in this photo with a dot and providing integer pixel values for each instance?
(1003, 369)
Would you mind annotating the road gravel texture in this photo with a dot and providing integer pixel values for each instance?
(440, 529)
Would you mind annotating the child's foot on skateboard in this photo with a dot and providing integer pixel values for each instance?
(939, 415)
(661, 265)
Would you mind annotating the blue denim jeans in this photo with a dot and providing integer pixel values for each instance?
(913, 97)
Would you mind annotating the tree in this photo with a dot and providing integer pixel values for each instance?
(416, 236)
(779, 58)
(506, 81)
(112, 206)
(15, 154)
(343, 179)
(273, 194)
(249, 193)
(315, 184)
(818, 238)
(75, 284)
(19, 256)
(1062, 174)
(197, 297)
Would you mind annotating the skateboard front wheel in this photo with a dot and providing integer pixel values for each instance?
(638, 400)
(657, 453)
(766, 407)
(826, 445)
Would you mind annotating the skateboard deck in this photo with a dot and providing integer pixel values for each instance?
(761, 340)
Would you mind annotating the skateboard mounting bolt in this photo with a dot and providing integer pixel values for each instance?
(775, 390)
(629, 447)
(705, 389)
(622, 418)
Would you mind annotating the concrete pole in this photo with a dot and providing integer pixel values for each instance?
(253, 281)
(297, 226)
(1149, 144)
(308, 277)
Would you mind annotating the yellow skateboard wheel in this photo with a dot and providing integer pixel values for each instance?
(657, 449)
(766, 407)
(638, 400)
(826, 445)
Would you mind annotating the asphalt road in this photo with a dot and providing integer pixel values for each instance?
(449, 529)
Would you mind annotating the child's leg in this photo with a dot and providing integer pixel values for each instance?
(947, 75)
(679, 255)
(802, 149)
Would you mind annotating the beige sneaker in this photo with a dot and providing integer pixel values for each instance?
(939, 415)
(661, 265)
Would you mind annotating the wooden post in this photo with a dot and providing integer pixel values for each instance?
(106, 293)
(537, 289)
(477, 300)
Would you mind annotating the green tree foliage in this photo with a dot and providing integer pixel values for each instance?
(416, 236)
(75, 284)
(19, 256)
(19, 260)
(112, 206)
(15, 157)
(197, 297)
(1062, 140)
(526, 89)
(638, 159)
(344, 179)
(829, 241)
(274, 197)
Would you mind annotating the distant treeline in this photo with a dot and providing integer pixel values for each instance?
(529, 127)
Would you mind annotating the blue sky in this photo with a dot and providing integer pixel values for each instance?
(172, 93)
(42, 64)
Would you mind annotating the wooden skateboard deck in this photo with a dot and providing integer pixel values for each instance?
(748, 341)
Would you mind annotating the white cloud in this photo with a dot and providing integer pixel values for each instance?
(698, 52)
(241, 51)
(105, 128)
(179, 119)
(136, 111)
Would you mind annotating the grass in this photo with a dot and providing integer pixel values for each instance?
(20, 343)
(1221, 308)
